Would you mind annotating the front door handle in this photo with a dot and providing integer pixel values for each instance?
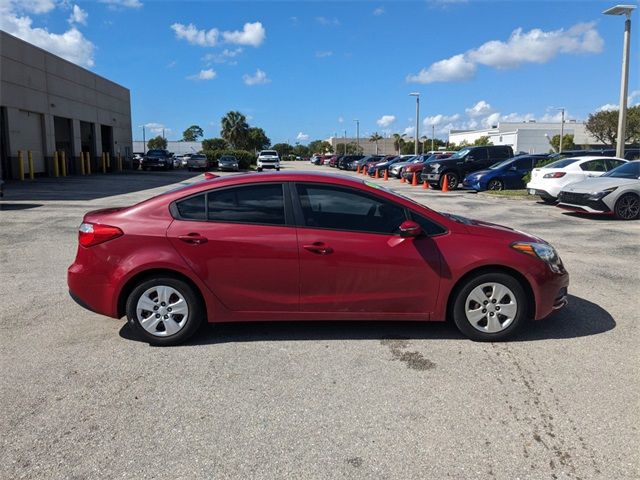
(193, 238)
(318, 247)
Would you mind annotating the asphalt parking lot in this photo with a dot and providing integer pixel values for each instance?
(82, 398)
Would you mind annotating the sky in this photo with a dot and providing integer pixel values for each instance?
(307, 70)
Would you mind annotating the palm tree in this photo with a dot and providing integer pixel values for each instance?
(234, 128)
(398, 141)
(374, 138)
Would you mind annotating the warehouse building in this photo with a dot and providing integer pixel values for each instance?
(529, 137)
(48, 104)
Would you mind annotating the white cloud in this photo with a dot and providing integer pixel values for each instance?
(191, 34)
(452, 69)
(226, 56)
(258, 78)
(379, 11)
(409, 131)
(479, 109)
(171, 64)
(324, 54)
(534, 46)
(78, 15)
(340, 119)
(157, 128)
(35, 6)
(122, 3)
(208, 74)
(252, 34)
(386, 120)
(70, 45)
(302, 137)
(607, 107)
(328, 22)
(439, 119)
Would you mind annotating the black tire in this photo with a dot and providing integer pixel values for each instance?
(278, 169)
(259, 169)
(195, 316)
(452, 178)
(459, 307)
(627, 207)
(549, 200)
(495, 184)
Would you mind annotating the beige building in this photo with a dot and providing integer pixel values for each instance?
(385, 146)
(48, 104)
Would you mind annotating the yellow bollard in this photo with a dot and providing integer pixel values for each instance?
(20, 165)
(104, 162)
(119, 163)
(56, 169)
(88, 164)
(31, 172)
(63, 158)
(108, 160)
(82, 171)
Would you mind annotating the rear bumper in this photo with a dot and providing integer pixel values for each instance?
(91, 291)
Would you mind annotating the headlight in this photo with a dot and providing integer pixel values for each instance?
(435, 166)
(600, 195)
(542, 251)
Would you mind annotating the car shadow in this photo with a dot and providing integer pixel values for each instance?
(593, 216)
(18, 206)
(580, 318)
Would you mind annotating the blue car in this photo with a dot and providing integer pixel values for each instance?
(503, 175)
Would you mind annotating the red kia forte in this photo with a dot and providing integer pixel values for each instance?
(300, 246)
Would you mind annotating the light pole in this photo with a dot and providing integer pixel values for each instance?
(357, 134)
(144, 140)
(561, 129)
(624, 82)
(417, 95)
(345, 142)
(433, 136)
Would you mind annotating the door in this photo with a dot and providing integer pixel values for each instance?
(513, 176)
(353, 260)
(475, 160)
(241, 243)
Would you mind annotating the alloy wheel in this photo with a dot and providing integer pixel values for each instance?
(628, 207)
(495, 185)
(491, 307)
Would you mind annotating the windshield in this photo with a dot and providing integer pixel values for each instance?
(562, 163)
(269, 152)
(156, 153)
(629, 170)
(461, 153)
(227, 159)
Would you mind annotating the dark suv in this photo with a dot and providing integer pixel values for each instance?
(463, 162)
(157, 159)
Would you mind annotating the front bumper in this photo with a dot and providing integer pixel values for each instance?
(268, 165)
(580, 202)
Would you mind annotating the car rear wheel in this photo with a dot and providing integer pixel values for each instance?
(452, 180)
(627, 207)
(165, 310)
(490, 307)
(495, 184)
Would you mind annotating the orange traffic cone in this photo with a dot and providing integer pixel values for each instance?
(414, 180)
(386, 175)
(425, 185)
(358, 169)
(445, 185)
(402, 180)
(377, 174)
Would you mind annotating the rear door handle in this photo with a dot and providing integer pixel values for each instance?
(193, 238)
(318, 247)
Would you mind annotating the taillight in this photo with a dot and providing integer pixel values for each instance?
(90, 234)
(555, 175)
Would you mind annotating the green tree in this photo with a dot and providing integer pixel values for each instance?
(214, 144)
(257, 139)
(567, 142)
(301, 151)
(604, 126)
(283, 149)
(407, 148)
(374, 138)
(235, 129)
(192, 133)
(481, 141)
(320, 146)
(157, 143)
(398, 141)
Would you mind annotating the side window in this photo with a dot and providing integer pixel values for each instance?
(479, 154)
(524, 164)
(613, 163)
(499, 153)
(340, 208)
(594, 166)
(261, 204)
(428, 227)
(192, 208)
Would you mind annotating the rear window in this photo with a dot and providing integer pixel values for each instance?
(269, 152)
(562, 163)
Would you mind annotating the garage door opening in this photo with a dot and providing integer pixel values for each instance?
(87, 144)
(64, 140)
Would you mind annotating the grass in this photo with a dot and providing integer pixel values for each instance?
(509, 193)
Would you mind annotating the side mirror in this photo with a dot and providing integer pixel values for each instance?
(410, 229)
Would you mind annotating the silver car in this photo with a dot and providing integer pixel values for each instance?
(616, 192)
(197, 162)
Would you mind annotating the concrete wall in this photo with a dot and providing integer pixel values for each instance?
(38, 85)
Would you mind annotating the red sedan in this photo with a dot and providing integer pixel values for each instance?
(300, 246)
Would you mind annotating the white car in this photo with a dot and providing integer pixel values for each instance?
(617, 192)
(547, 181)
(268, 159)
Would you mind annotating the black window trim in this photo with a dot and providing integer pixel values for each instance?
(288, 210)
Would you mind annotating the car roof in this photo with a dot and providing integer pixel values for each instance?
(583, 158)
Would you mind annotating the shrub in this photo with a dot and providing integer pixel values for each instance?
(245, 159)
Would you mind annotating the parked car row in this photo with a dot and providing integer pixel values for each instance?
(494, 167)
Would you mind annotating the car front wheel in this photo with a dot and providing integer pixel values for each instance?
(164, 310)
(495, 184)
(490, 307)
(627, 207)
(452, 180)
